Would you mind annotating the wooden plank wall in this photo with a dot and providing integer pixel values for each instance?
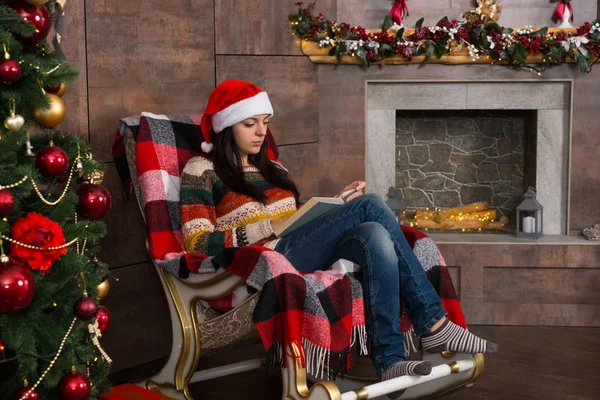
(136, 56)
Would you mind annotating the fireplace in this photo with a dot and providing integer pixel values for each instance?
(449, 144)
(453, 158)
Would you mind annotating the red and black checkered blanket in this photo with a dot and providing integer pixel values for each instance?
(322, 312)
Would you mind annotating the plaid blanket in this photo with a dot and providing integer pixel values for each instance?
(322, 312)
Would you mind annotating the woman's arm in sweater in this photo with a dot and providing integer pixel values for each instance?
(199, 219)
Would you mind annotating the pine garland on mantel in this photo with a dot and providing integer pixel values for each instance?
(474, 38)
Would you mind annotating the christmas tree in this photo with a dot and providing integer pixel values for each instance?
(50, 210)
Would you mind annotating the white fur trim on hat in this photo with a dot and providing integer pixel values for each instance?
(207, 147)
(237, 112)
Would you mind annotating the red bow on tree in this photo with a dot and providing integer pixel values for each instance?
(397, 12)
(560, 10)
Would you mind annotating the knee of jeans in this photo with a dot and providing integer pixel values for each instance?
(372, 200)
(377, 239)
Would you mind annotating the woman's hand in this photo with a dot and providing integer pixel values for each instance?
(359, 186)
(276, 223)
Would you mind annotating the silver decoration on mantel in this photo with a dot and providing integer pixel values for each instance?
(592, 233)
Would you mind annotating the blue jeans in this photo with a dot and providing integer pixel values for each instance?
(366, 232)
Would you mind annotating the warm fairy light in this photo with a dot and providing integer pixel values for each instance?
(54, 304)
(479, 229)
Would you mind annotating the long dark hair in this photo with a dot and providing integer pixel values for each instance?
(228, 167)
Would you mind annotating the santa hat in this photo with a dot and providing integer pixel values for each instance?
(232, 102)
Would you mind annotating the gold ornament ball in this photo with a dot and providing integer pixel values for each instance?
(103, 288)
(14, 122)
(52, 116)
(37, 2)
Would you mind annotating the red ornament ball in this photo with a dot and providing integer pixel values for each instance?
(104, 318)
(74, 386)
(16, 286)
(85, 308)
(52, 162)
(7, 202)
(10, 71)
(34, 395)
(38, 16)
(94, 201)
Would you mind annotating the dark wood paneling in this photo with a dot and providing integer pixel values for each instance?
(146, 56)
(124, 243)
(301, 161)
(141, 329)
(579, 310)
(259, 26)
(541, 285)
(74, 47)
(585, 163)
(292, 86)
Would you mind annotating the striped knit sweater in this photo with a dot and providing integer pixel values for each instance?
(214, 217)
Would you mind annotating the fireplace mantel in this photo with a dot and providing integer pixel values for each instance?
(320, 55)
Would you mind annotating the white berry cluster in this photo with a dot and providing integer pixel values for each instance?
(473, 53)
(326, 42)
(407, 43)
(526, 31)
(353, 45)
(507, 40)
(595, 27)
(451, 32)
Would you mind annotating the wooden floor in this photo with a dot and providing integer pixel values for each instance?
(532, 363)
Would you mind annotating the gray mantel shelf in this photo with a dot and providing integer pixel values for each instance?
(505, 238)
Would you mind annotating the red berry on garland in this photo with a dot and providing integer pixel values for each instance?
(85, 308)
(74, 386)
(34, 395)
(94, 201)
(38, 16)
(10, 70)
(7, 202)
(104, 318)
(52, 161)
(16, 286)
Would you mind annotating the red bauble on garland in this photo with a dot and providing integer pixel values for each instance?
(37, 15)
(94, 201)
(16, 286)
(104, 318)
(52, 162)
(36, 230)
(10, 71)
(34, 395)
(85, 308)
(74, 386)
(7, 202)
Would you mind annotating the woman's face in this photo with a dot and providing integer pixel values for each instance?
(250, 134)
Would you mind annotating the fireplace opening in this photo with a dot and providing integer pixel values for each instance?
(477, 162)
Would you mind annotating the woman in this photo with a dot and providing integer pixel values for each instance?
(240, 197)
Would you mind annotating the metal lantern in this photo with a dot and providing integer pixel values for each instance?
(530, 216)
(395, 204)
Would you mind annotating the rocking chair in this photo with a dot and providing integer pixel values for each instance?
(198, 329)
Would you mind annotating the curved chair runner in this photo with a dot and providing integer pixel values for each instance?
(196, 330)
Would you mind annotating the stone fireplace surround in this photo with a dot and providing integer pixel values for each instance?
(551, 99)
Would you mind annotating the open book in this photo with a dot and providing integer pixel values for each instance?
(313, 208)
